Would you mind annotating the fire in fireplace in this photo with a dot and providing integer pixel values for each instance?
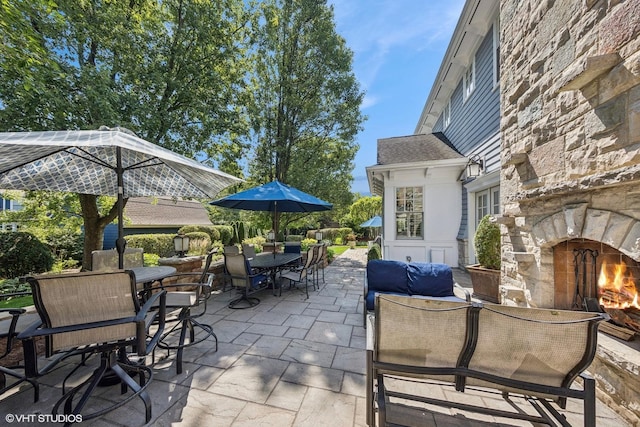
(617, 287)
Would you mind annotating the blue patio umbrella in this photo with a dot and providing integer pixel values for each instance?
(273, 197)
(375, 221)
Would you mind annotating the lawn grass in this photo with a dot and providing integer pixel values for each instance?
(339, 249)
(17, 302)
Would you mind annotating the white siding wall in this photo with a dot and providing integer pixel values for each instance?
(442, 212)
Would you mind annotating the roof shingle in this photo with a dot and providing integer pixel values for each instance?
(415, 148)
(150, 211)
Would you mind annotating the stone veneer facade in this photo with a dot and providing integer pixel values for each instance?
(570, 131)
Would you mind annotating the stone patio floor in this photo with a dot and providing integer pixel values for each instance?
(288, 361)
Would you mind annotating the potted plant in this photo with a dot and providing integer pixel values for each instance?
(351, 238)
(485, 276)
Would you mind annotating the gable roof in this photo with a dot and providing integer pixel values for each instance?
(415, 148)
(160, 211)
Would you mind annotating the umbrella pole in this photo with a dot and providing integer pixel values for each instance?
(275, 226)
(120, 242)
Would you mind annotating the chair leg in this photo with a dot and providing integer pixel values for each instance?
(108, 363)
(251, 302)
(187, 323)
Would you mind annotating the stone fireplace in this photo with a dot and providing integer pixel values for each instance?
(570, 177)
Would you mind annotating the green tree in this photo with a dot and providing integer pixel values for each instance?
(305, 110)
(364, 208)
(172, 71)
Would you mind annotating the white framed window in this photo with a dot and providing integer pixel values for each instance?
(409, 213)
(487, 202)
(446, 115)
(496, 53)
(469, 80)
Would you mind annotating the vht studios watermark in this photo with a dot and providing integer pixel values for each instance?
(43, 418)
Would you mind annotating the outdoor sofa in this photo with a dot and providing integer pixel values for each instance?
(530, 352)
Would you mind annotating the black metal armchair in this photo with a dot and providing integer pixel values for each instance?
(243, 278)
(187, 301)
(94, 313)
(9, 329)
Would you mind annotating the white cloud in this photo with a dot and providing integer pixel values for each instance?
(369, 101)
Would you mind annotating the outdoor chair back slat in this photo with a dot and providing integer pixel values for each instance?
(72, 299)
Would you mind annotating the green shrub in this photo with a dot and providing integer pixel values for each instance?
(22, 253)
(487, 243)
(65, 245)
(258, 242)
(159, 244)
(375, 252)
(331, 255)
(10, 286)
(199, 242)
(331, 234)
(294, 238)
(306, 244)
(226, 233)
(59, 265)
(151, 260)
(212, 231)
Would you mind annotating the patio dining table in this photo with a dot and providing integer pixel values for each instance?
(147, 275)
(273, 262)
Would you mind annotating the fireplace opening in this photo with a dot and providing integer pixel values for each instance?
(593, 276)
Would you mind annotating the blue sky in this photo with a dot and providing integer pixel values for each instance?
(398, 46)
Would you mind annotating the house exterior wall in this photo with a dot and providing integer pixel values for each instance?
(477, 119)
(442, 210)
(474, 128)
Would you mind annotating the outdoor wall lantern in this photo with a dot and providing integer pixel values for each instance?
(181, 245)
(271, 236)
(474, 166)
(318, 236)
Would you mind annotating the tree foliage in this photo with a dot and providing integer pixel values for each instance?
(364, 208)
(171, 71)
(305, 110)
(207, 79)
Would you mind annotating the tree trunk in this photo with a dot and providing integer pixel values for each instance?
(94, 226)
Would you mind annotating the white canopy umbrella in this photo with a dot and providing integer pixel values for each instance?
(110, 162)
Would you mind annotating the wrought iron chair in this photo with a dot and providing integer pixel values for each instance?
(187, 301)
(301, 274)
(94, 313)
(244, 280)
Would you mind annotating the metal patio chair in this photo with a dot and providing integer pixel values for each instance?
(301, 274)
(95, 313)
(243, 278)
(186, 302)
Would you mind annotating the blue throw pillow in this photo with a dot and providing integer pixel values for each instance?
(428, 279)
(387, 276)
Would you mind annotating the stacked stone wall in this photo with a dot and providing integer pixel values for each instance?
(570, 132)
(570, 79)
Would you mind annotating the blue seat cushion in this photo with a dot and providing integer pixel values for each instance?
(387, 276)
(430, 279)
(256, 281)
